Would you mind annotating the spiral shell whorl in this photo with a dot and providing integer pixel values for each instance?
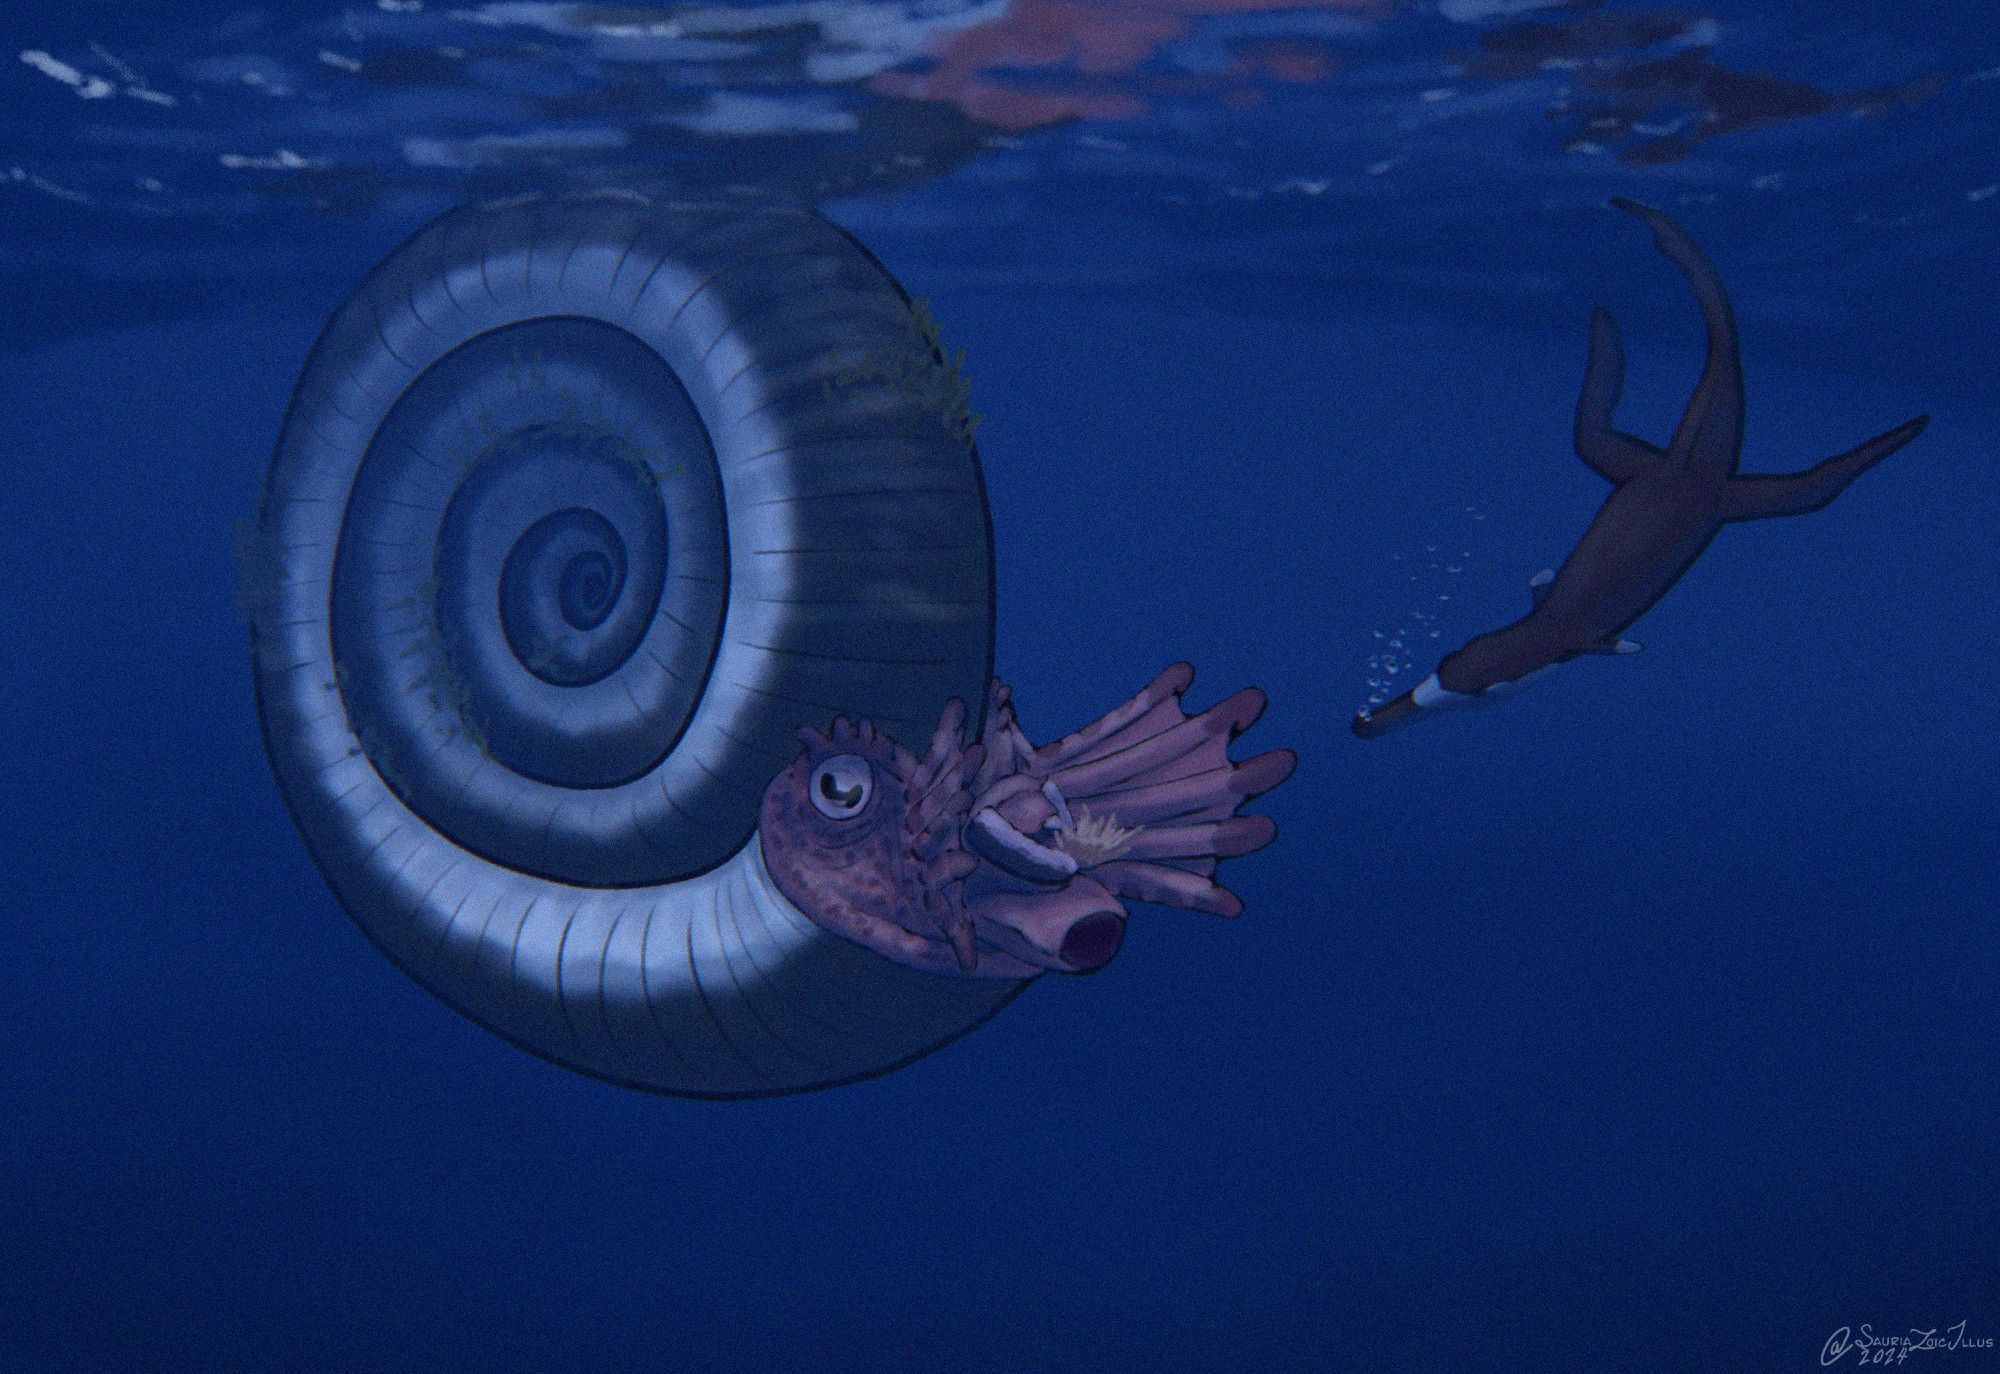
(578, 515)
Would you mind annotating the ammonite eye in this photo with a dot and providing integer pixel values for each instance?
(842, 786)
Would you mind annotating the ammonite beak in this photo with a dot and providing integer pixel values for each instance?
(993, 839)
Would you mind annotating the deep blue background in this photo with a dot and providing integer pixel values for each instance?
(1645, 1021)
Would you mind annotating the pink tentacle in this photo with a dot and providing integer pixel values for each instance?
(944, 748)
(1164, 715)
(946, 795)
(1228, 839)
(1072, 747)
(1215, 726)
(1007, 749)
(1145, 882)
(1211, 795)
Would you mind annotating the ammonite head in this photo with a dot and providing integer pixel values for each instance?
(1003, 860)
(869, 842)
(832, 832)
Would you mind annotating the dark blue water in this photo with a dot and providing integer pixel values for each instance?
(1644, 1021)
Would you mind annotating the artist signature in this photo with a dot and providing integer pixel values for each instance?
(1869, 1348)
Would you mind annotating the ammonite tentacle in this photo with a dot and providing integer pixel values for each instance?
(581, 510)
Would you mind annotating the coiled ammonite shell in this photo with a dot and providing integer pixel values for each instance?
(582, 509)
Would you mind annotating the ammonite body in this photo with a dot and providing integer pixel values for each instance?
(582, 511)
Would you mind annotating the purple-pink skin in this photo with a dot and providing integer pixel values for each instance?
(1003, 860)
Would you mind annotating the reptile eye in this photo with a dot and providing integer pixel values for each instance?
(841, 787)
